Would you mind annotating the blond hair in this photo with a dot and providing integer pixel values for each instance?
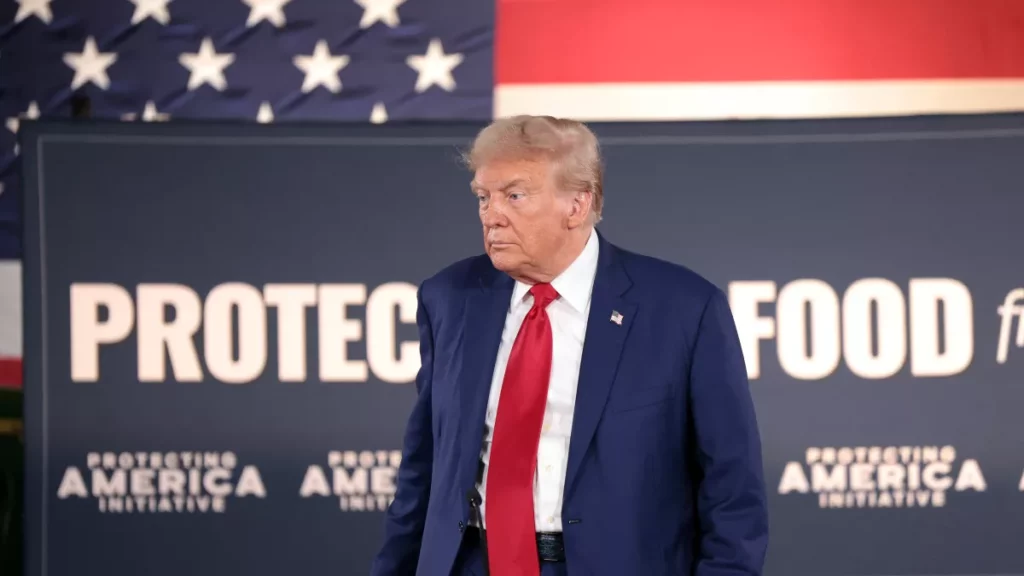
(568, 144)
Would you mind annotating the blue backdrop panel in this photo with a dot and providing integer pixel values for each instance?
(220, 336)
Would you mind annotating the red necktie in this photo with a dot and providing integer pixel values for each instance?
(511, 532)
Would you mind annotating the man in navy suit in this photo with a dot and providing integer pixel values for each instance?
(581, 409)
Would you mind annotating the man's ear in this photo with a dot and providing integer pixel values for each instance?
(581, 206)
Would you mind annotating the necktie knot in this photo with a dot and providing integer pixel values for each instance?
(543, 294)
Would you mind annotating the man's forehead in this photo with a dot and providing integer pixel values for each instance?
(504, 175)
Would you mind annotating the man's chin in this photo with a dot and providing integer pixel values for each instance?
(501, 260)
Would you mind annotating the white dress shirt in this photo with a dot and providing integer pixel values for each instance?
(568, 315)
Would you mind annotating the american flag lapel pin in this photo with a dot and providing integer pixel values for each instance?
(616, 317)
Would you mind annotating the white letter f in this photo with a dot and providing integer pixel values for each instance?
(1007, 311)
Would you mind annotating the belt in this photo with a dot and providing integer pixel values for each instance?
(550, 547)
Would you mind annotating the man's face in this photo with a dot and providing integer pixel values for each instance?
(525, 218)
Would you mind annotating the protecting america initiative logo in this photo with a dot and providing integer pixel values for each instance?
(882, 476)
(161, 482)
(363, 481)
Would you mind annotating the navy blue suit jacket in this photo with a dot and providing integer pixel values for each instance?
(664, 475)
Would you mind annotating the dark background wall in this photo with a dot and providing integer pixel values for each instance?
(871, 255)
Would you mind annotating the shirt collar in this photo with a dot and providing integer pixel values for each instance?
(576, 283)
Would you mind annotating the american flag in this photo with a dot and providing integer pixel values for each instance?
(387, 60)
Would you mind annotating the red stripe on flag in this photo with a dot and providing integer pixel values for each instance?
(587, 41)
(10, 373)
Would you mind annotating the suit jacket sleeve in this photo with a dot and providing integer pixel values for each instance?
(731, 499)
(405, 518)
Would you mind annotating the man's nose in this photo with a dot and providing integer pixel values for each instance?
(492, 217)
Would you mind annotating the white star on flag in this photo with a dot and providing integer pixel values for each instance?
(149, 114)
(265, 115)
(385, 11)
(379, 114)
(90, 65)
(14, 124)
(38, 8)
(206, 66)
(321, 68)
(269, 10)
(155, 9)
(32, 113)
(434, 67)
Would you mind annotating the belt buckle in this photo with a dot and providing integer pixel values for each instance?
(550, 547)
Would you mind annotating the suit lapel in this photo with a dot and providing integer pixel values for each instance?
(602, 349)
(483, 321)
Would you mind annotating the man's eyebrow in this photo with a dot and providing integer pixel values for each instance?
(511, 183)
